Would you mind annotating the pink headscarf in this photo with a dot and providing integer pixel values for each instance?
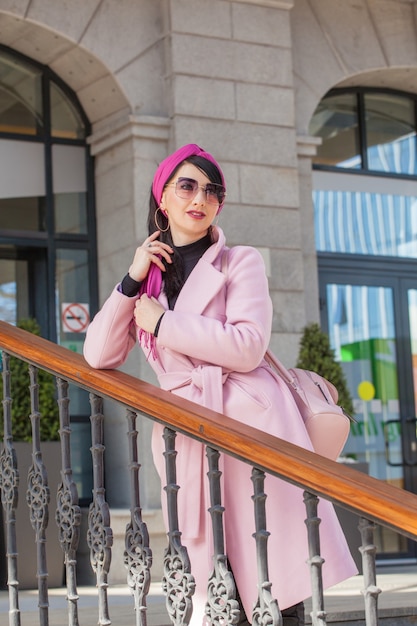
(153, 282)
(168, 165)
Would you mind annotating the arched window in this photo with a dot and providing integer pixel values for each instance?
(47, 226)
(370, 131)
(371, 136)
(47, 220)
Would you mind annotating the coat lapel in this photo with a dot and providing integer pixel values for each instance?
(205, 281)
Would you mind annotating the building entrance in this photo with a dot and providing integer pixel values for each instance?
(370, 314)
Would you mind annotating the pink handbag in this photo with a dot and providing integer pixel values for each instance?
(327, 423)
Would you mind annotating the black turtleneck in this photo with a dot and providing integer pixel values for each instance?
(192, 253)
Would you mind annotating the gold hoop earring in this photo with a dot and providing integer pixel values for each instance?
(163, 230)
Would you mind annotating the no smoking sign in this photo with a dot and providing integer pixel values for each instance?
(75, 317)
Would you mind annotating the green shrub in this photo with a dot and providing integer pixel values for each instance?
(20, 394)
(316, 355)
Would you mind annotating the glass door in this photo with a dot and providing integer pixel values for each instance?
(371, 319)
(23, 285)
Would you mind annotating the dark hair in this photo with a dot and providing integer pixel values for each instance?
(174, 275)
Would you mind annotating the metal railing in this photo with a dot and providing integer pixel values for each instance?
(375, 502)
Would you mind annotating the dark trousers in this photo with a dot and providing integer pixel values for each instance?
(294, 615)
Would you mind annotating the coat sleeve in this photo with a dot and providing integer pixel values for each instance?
(112, 333)
(237, 336)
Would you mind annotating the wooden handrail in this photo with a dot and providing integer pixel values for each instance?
(353, 490)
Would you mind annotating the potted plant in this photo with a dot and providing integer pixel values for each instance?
(317, 356)
(20, 408)
(51, 456)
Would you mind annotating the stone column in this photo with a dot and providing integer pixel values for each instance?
(307, 147)
(231, 80)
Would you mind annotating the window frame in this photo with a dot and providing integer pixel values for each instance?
(50, 240)
(360, 93)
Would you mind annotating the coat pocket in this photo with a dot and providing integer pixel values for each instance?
(244, 391)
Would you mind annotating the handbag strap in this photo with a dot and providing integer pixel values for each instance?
(225, 261)
(280, 368)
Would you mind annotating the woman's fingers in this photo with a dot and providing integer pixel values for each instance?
(151, 251)
(154, 247)
(147, 312)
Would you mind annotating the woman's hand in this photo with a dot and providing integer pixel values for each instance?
(147, 313)
(148, 253)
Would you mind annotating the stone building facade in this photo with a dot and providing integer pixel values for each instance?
(240, 78)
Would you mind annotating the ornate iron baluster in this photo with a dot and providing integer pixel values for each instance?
(38, 497)
(266, 611)
(177, 581)
(315, 561)
(138, 555)
(9, 483)
(222, 606)
(99, 535)
(371, 591)
(68, 514)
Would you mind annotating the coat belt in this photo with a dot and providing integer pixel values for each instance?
(208, 378)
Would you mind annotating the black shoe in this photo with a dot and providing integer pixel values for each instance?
(243, 619)
(294, 615)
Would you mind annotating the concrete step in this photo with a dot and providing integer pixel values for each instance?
(397, 602)
(386, 617)
(344, 603)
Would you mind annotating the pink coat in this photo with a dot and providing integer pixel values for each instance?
(210, 350)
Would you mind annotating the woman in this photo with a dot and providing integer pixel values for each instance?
(205, 331)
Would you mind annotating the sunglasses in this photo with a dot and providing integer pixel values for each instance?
(187, 189)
